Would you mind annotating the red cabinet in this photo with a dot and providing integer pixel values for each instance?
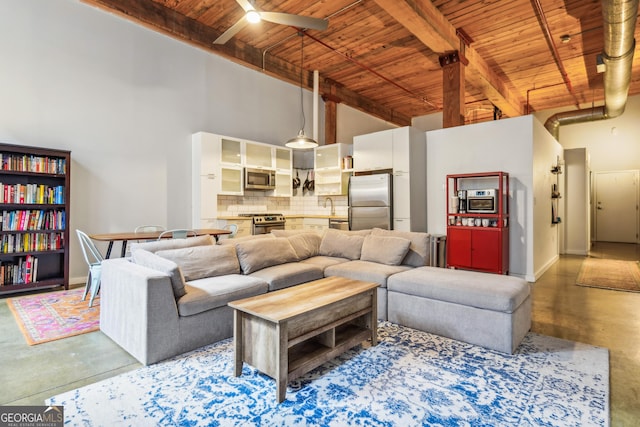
(478, 240)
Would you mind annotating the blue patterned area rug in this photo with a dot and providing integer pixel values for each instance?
(410, 378)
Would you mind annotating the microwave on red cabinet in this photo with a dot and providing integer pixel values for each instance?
(482, 201)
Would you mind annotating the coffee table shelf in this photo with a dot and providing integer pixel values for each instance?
(289, 332)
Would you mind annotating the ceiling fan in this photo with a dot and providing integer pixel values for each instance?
(252, 15)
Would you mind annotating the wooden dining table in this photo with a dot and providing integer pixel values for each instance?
(125, 236)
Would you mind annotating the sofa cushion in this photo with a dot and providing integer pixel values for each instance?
(324, 261)
(418, 254)
(341, 244)
(257, 254)
(170, 268)
(289, 274)
(237, 240)
(213, 292)
(204, 261)
(306, 245)
(384, 249)
(157, 245)
(365, 270)
(494, 292)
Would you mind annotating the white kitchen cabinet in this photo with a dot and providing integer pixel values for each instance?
(283, 159)
(330, 176)
(218, 164)
(231, 178)
(373, 151)
(258, 155)
(230, 151)
(315, 224)
(293, 224)
(404, 151)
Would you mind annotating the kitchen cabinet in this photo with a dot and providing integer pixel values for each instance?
(258, 155)
(230, 151)
(476, 240)
(217, 168)
(404, 152)
(315, 224)
(373, 151)
(293, 224)
(331, 178)
(283, 159)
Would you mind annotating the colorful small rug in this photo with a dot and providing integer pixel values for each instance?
(611, 274)
(55, 315)
(411, 378)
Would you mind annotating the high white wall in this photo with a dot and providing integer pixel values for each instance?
(351, 122)
(125, 100)
(507, 145)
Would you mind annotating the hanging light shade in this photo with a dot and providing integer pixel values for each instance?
(301, 141)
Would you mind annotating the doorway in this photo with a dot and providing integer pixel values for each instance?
(615, 206)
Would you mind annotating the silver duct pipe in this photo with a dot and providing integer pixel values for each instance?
(619, 25)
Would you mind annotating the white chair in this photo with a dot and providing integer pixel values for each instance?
(233, 228)
(177, 233)
(148, 228)
(94, 259)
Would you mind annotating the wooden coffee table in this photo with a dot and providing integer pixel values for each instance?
(289, 332)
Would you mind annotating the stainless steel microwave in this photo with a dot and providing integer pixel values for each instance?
(482, 201)
(259, 179)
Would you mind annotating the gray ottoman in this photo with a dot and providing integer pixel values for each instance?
(490, 310)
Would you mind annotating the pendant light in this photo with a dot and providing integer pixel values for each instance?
(302, 141)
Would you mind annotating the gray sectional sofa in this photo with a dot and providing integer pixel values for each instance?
(171, 296)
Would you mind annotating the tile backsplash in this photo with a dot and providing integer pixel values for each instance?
(299, 204)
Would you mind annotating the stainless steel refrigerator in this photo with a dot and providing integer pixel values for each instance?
(370, 201)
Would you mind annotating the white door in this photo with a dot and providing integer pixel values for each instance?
(616, 206)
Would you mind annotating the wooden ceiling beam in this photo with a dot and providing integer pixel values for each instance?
(158, 17)
(430, 26)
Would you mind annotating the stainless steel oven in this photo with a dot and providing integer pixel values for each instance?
(482, 201)
(264, 223)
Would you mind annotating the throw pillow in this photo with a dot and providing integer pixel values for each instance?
(204, 261)
(163, 265)
(418, 254)
(257, 254)
(384, 250)
(341, 244)
(158, 245)
(237, 240)
(306, 244)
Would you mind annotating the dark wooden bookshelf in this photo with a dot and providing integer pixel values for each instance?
(33, 248)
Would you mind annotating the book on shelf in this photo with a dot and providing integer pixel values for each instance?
(24, 270)
(32, 163)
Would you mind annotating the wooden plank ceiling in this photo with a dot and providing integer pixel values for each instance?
(381, 56)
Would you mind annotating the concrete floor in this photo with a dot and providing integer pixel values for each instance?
(599, 317)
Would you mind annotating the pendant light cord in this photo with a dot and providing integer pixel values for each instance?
(301, 78)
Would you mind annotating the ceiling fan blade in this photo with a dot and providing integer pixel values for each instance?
(246, 5)
(232, 31)
(295, 20)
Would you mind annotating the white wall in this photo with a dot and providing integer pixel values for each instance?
(613, 144)
(351, 122)
(125, 100)
(544, 234)
(506, 145)
(577, 201)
